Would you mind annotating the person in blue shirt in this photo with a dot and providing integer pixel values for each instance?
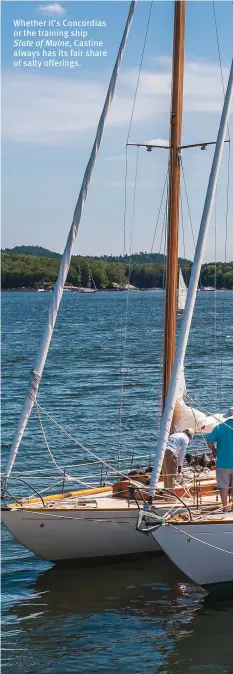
(222, 435)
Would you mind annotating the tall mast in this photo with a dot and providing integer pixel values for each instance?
(174, 194)
(192, 290)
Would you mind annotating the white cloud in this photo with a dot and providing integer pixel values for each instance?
(43, 108)
(158, 141)
(165, 61)
(53, 9)
(119, 157)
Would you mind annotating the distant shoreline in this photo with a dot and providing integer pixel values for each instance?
(102, 290)
(142, 271)
(78, 290)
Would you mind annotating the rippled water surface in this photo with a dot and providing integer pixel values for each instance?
(131, 616)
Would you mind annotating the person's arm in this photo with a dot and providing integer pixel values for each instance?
(182, 450)
(212, 448)
(211, 439)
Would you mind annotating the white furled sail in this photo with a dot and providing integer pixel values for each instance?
(186, 416)
(182, 293)
(65, 262)
(181, 390)
(172, 394)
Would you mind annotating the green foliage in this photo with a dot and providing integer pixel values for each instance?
(116, 273)
(85, 274)
(74, 275)
(137, 258)
(147, 275)
(37, 251)
(229, 279)
(222, 275)
(98, 272)
(30, 271)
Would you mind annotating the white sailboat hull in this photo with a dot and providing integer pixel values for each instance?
(204, 564)
(78, 535)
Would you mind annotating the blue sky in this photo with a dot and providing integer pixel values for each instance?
(50, 118)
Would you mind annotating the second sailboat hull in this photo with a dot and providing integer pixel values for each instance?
(203, 551)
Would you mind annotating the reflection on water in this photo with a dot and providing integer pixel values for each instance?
(133, 616)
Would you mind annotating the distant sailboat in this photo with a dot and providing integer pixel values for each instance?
(182, 294)
(89, 289)
(207, 288)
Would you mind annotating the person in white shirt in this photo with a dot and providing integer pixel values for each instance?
(175, 453)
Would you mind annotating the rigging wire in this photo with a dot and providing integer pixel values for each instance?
(225, 259)
(163, 234)
(199, 540)
(219, 56)
(39, 363)
(123, 348)
(151, 317)
(85, 449)
(215, 297)
(160, 206)
(207, 411)
(127, 309)
(61, 470)
(227, 204)
(183, 237)
(145, 351)
(207, 325)
(165, 225)
(152, 245)
(140, 68)
(131, 119)
(133, 213)
(188, 205)
(185, 271)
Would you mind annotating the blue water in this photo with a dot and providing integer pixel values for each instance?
(130, 616)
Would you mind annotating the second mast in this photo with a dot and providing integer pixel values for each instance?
(174, 194)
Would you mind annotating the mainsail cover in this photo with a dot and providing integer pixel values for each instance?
(182, 292)
(65, 262)
(186, 416)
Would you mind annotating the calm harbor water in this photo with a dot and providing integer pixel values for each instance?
(131, 616)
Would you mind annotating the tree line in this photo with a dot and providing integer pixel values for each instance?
(138, 258)
(31, 271)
